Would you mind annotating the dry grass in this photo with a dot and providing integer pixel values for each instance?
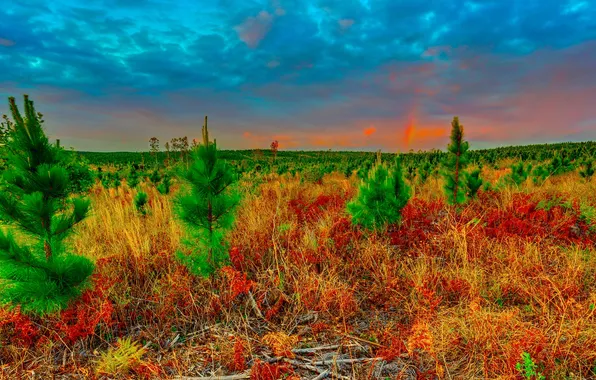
(446, 295)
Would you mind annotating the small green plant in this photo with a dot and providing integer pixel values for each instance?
(528, 369)
(380, 198)
(519, 173)
(164, 186)
(119, 360)
(474, 182)
(141, 200)
(588, 169)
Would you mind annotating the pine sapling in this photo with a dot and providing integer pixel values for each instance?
(141, 200)
(380, 198)
(588, 169)
(474, 182)
(455, 164)
(38, 272)
(208, 209)
(164, 186)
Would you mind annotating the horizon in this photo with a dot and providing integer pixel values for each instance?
(314, 75)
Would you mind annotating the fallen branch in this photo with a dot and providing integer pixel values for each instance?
(344, 361)
(244, 375)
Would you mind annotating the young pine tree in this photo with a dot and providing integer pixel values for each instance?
(38, 272)
(208, 210)
(588, 169)
(380, 198)
(474, 182)
(454, 165)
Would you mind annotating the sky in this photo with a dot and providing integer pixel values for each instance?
(312, 74)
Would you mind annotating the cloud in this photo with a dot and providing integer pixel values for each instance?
(6, 42)
(346, 23)
(254, 29)
(315, 72)
(369, 131)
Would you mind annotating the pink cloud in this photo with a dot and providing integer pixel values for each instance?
(369, 131)
(346, 23)
(6, 42)
(273, 64)
(254, 29)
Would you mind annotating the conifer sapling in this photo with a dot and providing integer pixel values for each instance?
(38, 272)
(455, 164)
(380, 198)
(208, 209)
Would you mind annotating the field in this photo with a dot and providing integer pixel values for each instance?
(500, 287)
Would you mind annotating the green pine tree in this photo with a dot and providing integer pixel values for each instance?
(519, 173)
(38, 272)
(455, 164)
(380, 198)
(208, 210)
(141, 200)
(588, 169)
(474, 182)
(164, 186)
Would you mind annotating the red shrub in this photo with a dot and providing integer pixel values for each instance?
(236, 283)
(23, 332)
(82, 318)
(266, 371)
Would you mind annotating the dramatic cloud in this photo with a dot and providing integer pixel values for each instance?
(313, 74)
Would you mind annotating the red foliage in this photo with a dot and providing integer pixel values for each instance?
(418, 223)
(239, 363)
(311, 211)
(24, 332)
(236, 283)
(523, 219)
(267, 371)
(237, 258)
(396, 348)
(456, 289)
(82, 318)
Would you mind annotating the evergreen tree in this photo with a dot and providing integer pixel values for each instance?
(380, 198)
(455, 164)
(474, 182)
(424, 171)
(164, 186)
(588, 170)
(37, 270)
(519, 173)
(141, 200)
(208, 210)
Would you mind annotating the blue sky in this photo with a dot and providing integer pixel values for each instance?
(313, 74)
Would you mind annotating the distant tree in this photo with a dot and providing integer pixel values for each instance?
(37, 270)
(455, 164)
(208, 209)
(167, 146)
(381, 197)
(274, 147)
(154, 147)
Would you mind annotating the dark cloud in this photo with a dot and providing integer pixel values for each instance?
(115, 72)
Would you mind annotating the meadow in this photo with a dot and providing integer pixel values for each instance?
(501, 285)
